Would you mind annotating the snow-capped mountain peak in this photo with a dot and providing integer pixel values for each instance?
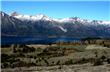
(105, 22)
(70, 19)
(14, 14)
(30, 17)
(44, 17)
(40, 16)
(2, 13)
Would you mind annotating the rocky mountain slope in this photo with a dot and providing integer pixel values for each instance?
(42, 25)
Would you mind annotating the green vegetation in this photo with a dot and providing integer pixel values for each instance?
(6, 50)
(75, 47)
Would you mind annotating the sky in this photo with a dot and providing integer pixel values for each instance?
(54, 0)
(95, 10)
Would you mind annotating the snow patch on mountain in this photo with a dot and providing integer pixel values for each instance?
(106, 22)
(64, 30)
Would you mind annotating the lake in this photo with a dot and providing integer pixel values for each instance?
(34, 40)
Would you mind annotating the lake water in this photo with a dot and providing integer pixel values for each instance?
(34, 40)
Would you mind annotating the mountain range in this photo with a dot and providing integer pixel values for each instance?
(41, 25)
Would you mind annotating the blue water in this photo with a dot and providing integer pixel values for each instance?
(33, 40)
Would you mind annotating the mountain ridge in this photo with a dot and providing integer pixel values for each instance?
(70, 27)
(68, 19)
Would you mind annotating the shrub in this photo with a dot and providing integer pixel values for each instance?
(35, 57)
(108, 60)
(98, 62)
(82, 61)
(59, 67)
(52, 62)
(46, 62)
(19, 64)
(5, 65)
(4, 57)
(31, 64)
(69, 62)
(58, 62)
(103, 58)
(96, 54)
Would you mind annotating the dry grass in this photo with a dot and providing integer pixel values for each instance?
(77, 61)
